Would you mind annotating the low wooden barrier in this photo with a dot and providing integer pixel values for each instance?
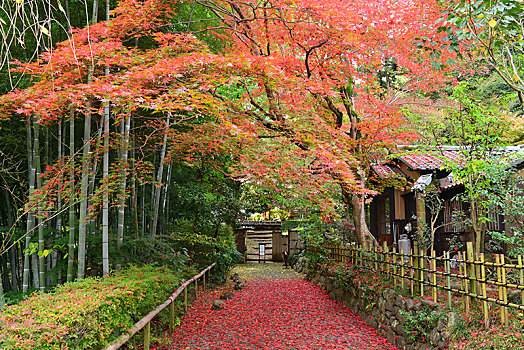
(146, 320)
(472, 278)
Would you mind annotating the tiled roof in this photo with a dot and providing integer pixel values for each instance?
(429, 160)
(386, 170)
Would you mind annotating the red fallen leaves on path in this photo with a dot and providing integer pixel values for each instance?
(275, 314)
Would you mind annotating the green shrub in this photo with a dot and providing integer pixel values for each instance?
(204, 250)
(87, 314)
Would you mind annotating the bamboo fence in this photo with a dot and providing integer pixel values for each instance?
(145, 322)
(471, 279)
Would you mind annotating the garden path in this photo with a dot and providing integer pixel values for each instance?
(277, 309)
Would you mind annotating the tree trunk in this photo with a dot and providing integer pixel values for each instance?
(364, 236)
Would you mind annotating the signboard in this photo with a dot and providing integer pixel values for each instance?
(261, 252)
(262, 249)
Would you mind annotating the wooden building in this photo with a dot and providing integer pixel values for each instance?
(397, 212)
(252, 234)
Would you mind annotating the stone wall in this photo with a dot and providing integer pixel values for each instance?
(388, 311)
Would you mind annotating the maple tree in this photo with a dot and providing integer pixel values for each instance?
(300, 95)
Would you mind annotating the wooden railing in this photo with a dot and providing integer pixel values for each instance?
(145, 322)
(477, 282)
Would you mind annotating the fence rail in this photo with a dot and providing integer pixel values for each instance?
(145, 322)
(476, 281)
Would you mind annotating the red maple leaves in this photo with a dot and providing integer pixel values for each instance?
(279, 314)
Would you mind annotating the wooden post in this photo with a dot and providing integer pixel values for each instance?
(196, 288)
(185, 299)
(172, 316)
(433, 263)
(147, 336)
(448, 278)
(485, 310)
(204, 281)
(521, 279)
(471, 270)
(504, 290)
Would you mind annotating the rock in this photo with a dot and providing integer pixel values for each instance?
(218, 305)
(453, 320)
(388, 293)
(391, 336)
(235, 277)
(410, 304)
(389, 306)
(443, 344)
(514, 296)
(400, 302)
(227, 296)
(399, 329)
(401, 342)
(434, 336)
(426, 346)
(239, 286)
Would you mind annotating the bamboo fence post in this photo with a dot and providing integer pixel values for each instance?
(433, 269)
(402, 271)
(499, 280)
(147, 336)
(375, 257)
(421, 272)
(172, 316)
(387, 265)
(485, 310)
(185, 299)
(448, 278)
(472, 271)
(521, 279)
(411, 274)
(416, 264)
(395, 278)
(504, 290)
(464, 282)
